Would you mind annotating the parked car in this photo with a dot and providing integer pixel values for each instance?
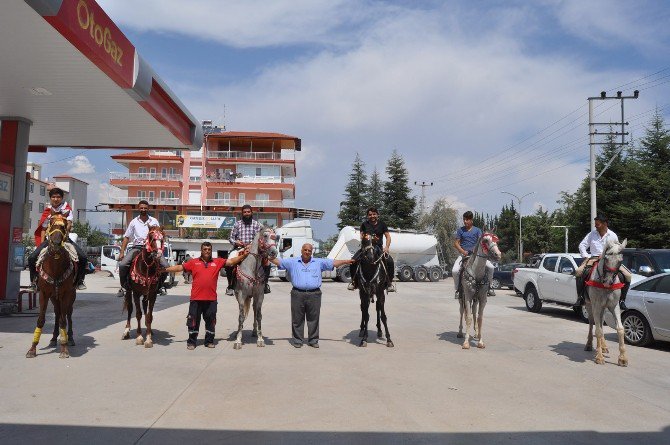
(647, 262)
(648, 315)
(502, 275)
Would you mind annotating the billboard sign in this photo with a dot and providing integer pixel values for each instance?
(205, 221)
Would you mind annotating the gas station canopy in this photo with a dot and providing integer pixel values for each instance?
(67, 68)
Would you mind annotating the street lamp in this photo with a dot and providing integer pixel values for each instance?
(520, 239)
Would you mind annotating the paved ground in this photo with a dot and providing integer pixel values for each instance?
(532, 384)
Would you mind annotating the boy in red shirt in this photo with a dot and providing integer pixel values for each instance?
(205, 273)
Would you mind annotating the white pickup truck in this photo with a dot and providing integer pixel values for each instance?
(552, 281)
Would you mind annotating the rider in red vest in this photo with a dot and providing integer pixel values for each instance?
(59, 206)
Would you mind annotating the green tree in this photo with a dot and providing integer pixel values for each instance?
(375, 197)
(221, 234)
(399, 204)
(96, 238)
(537, 234)
(352, 209)
(442, 221)
(507, 229)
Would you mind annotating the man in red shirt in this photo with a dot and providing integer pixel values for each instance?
(205, 273)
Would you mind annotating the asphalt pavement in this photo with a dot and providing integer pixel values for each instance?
(533, 383)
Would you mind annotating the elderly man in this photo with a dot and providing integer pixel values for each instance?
(305, 275)
(591, 248)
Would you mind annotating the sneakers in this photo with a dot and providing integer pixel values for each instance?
(190, 347)
(81, 286)
(32, 287)
(121, 293)
(230, 291)
(267, 290)
(162, 291)
(351, 286)
(457, 295)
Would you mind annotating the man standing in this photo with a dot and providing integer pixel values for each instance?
(242, 236)
(137, 233)
(592, 247)
(378, 230)
(467, 237)
(205, 272)
(57, 205)
(305, 275)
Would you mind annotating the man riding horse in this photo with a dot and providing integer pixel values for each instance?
(137, 232)
(377, 229)
(57, 206)
(591, 248)
(241, 236)
(465, 242)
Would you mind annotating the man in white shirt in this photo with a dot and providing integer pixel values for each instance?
(592, 247)
(136, 235)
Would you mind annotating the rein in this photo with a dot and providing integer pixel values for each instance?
(260, 256)
(147, 279)
(599, 284)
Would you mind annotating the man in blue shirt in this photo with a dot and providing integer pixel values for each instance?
(305, 275)
(465, 242)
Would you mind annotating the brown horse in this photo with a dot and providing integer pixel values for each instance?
(144, 274)
(56, 282)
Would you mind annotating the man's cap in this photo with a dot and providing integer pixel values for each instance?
(601, 218)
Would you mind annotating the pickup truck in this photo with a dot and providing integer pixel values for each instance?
(551, 281)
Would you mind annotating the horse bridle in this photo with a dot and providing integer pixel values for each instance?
(263, 248)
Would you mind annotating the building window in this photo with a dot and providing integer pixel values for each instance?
(41, 206)
(141, 194)
(32, 187)
(164, 172)
(151, 196)
(43, 190)
(172, 171)
(163, 194)
(152, 170)
(226, 196)
(259, 171)
(241, 198)
(30, 206)
(262, 197)
(171, 195)
(218, 195)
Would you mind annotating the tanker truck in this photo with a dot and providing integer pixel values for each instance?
(417, 255)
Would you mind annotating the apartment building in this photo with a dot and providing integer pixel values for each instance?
(231, 169)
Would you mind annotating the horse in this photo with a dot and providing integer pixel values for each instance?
(56, 282)
(475, 287)
(144, 277)
(603, 292)
(372, 277)
(251, 282)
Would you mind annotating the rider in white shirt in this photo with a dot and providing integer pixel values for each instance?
(592, 247)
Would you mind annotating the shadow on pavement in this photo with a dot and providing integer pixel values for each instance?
(450, 336)
(57, 434)
(249, 339)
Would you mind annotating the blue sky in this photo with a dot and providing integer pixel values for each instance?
(477, 96)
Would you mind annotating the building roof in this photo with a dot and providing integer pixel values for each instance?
(254, 135)
(69, 177)
(142, 154)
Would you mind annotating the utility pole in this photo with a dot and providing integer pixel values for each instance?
(519, 210)
(593, 132)
(566, 236)
(422, 202)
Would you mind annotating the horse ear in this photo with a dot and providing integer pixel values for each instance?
(623, 244)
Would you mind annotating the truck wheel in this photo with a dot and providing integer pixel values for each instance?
(533, 302)
(344, 273)
(435, 273)
(495, 283)
(405, 273)
(582, 312)
(636, 330)
(421, 274)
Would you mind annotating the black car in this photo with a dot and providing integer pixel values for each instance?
(502, 275)
(647, 262)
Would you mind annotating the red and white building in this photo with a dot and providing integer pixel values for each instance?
(232, 169)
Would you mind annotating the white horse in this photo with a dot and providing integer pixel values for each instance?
(251, 282)
(475, 287)
(604, 291)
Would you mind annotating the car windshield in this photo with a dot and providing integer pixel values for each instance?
(662, 259)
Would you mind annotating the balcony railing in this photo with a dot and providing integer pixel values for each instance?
(145, 176)
(137, 199)
(246, 155)
(166, 153)
(252, 179)
(286, 203)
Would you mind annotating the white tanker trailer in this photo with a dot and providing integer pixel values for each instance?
(417, 255)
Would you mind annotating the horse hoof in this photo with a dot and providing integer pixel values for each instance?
(31, 354)
(623, 362)
(459, 335)
(466, 345)
(588, 348)
(52, 343)
(260, 344)
(148, 344)
(363, 344)
(237, 346)
(125, 336)
(600, 361)
(481, 345)
(389, 344)
(139, 341)
(70, 342)
(64, 355)
(606, 351)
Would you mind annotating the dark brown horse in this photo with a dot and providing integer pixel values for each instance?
(144, 274)
(56, 282)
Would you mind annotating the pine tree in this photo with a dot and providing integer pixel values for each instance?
(352, 209)
(399, 204)
(375, 197)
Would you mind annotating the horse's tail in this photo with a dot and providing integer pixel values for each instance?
(247, 305)
(126, 301)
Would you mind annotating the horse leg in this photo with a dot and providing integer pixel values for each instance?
(54, 338)
(258, 316)
(461, 304)
(381, 309)
(240, 321)
(62, 323)
(600, 338)
(480, 320)
(475, 309)
(148, 319)
(44, 302)
(468, 319)
(589, 338)
(139, 340)
(365, 317)
(70, 333)
(616, 311)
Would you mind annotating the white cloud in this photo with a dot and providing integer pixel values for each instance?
(80, 165)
